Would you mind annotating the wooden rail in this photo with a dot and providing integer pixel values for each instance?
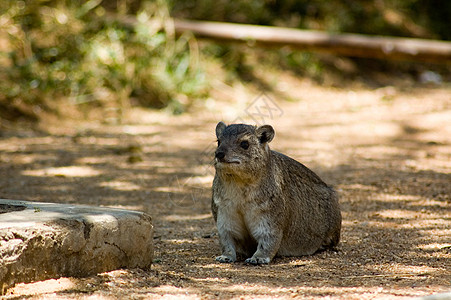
(354, 45)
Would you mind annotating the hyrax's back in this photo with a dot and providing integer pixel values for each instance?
(265, 203)
(315, 220)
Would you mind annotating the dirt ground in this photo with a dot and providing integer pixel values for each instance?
(387, 152)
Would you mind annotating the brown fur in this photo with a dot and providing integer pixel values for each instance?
(266, 203)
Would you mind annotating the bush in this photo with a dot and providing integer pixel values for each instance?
(114, 54)
(84, 53)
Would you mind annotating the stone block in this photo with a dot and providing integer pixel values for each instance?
(40, 241)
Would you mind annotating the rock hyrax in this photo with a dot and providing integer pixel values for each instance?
(265, 203)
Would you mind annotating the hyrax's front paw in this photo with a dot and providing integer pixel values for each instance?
(225, 259)
(258, 260)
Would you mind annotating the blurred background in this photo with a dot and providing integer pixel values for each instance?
(90, 59)
(102, 103)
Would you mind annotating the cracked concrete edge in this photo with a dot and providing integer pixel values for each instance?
(48, 240)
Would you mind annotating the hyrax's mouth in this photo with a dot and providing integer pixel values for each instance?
(228, 161)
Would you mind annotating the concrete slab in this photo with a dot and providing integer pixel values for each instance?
(40, 241)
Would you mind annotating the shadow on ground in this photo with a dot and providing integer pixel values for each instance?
(395, 197)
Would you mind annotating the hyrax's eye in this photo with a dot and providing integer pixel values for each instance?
(244, 144)
(219, 142)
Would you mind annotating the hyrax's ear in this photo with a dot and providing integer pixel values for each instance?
(265, 133)
(220, 128)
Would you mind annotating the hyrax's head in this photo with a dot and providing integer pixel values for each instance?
(242, 149)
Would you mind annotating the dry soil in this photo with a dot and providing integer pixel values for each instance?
(387, 151)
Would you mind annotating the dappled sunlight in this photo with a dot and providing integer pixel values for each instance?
(140, 130)
(438, 233)
(366, 131)
(120, 185)
(180, 185)
(26, 159)
(159, 164)
(169, 168)
(211, 279)
(93, 160)
(97, 141)
(129, 207)
(435, 246)
(204, 180)
(405, 214)
(180, 241)
(45, 287)
(357, 186)
(180, 218)
(431, 161)
(379, 151)
(173, 292)
(70, 171)
(166, 189)
(428, 222)
(411, 270)
(258, 291)
(389, 197)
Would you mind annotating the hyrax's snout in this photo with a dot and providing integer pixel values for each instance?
(223, 155)
(220, 154)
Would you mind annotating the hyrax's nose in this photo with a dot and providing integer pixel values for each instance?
(220, 154)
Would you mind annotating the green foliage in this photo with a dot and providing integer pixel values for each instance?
(83, 52)
(87, 53)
